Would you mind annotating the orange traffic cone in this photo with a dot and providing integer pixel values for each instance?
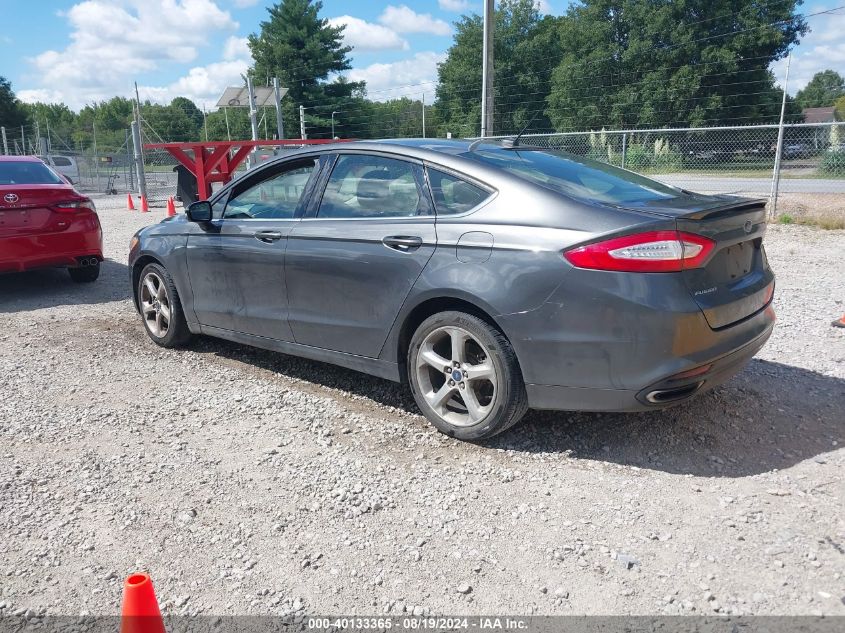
(144, 206)
(130, 206)
(171, 208)
(140, 613)
(839, 322)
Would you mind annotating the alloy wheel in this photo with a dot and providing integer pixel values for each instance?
(155, 305)
(457, 376)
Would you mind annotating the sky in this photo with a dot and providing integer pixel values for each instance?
(79, 52)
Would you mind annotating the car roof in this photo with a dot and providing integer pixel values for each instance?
(451, 154)
(20, 159)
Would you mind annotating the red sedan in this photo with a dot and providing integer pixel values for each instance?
(45, 222)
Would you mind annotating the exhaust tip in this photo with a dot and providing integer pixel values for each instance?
(661, 396)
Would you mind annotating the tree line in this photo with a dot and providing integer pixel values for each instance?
(603, 64)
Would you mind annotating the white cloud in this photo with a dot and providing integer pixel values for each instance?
(408, 77)
(822, 48)
(543, 6)
(44, 95)
(366, 36)
(236, 48)
(453, 5)
(112, 41)
(203, 84)
(405, 20)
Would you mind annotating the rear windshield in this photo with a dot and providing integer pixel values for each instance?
(576, 176)
(27, 173)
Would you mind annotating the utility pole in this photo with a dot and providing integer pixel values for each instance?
(139, 158)
(302, 123)
(487, 70)
(128, 170)
(23, 142)
(779, 148)
(333, 113)
(5, 141)
(252, 114)
(226, 116)
(142, 181)
(277, 93)
(96, 158)
(205, 122)
(423, 114)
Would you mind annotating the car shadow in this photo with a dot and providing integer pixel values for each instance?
(50, 287)
(770, 416)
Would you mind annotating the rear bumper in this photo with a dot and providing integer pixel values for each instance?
(46, 250)
(605, 341)
(586, 399)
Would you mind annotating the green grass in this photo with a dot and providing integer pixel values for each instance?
(827, 223)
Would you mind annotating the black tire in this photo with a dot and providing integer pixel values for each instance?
(510, 402)
(177, 333)
(84, 274)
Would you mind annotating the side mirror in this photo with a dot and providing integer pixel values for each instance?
(199, 211)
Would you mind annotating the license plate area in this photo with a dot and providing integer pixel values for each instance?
(734, 262)
(23, 221)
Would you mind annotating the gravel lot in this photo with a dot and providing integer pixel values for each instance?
(251, 482)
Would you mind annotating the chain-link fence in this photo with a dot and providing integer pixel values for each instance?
(107, 172)
(737, 160)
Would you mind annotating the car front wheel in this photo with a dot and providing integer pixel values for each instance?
(160, 308)
(465, 377)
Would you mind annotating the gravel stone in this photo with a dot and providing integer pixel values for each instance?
(221, 469)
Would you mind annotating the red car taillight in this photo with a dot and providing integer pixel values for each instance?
(652, 252)
(73, 206)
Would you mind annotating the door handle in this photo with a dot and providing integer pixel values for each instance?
(267, 236)
(402, 243)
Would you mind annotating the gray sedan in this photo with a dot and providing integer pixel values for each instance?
(490, 277)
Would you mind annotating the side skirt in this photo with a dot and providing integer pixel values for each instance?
(372, 366)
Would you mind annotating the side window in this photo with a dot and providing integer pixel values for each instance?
(277, 197)
(453, 195)
(61, 161)
(362, 186)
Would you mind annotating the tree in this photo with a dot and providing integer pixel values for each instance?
(823, 90)
(670, 63)
(110, 118)
(171, 123)
(526, 48)
(302, 50)
(190, 109)
(12, 113)
(56, 118)
(839, 111)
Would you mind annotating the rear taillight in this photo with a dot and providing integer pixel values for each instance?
(653, 252)
(72, 206)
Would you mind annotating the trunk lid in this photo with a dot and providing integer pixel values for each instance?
(27, 209)
(736, 282)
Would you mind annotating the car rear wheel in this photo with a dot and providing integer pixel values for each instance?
(85, 274)
(465, 377)
(160, 308)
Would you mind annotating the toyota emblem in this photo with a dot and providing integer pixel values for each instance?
(11, 198)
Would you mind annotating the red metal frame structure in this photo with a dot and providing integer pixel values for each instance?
(215, 162)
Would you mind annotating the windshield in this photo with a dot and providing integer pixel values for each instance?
(27, 173)
(576, 176)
